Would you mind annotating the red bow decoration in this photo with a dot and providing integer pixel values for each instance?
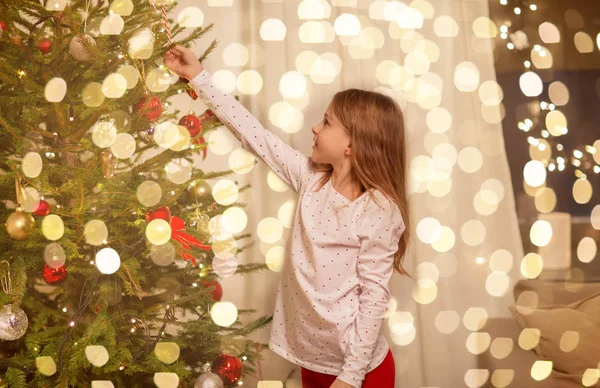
(200, 140)
(178, 234)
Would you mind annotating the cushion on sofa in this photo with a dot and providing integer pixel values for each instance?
(569, 335)
(556, 292)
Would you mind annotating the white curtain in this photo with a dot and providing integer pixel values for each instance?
(466, 248)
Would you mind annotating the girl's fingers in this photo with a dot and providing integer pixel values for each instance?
(180, 49)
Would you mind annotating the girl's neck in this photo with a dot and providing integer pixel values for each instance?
(345, 186)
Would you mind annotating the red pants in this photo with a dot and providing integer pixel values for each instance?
(383, 376)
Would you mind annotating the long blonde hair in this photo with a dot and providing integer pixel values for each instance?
(375, 124)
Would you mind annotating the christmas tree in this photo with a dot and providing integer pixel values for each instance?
(114, 240)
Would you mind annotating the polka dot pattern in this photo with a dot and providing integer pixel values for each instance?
(290, 165)
(333, 291)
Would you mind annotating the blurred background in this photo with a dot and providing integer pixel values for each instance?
(501, 107)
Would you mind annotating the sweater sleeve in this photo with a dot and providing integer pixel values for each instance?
(380, 231)
(290, 165)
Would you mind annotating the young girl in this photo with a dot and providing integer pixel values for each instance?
(349, 234)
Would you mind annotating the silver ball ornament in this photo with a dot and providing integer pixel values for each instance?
(78, 48)
(209, 380)
(13, 322)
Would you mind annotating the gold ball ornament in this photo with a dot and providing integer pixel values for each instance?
(78, 49)
(20, 224)
(200, 192)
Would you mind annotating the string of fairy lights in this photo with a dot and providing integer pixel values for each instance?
(546, 120)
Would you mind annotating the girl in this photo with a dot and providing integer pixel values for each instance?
(349, 233)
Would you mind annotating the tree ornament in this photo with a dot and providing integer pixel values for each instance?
(147, 135)
(198, 192)
(191, 92)
(163, 213)
(20, 224)
(151, 108)
(228, 367)
(13, 320)
(208, 114)
(43, 209)
(200, 141)
(185, 240)
(108, 163)
(202, 222)
(192, 123)
(78, 47)
(208, 379)
(217, 293)
(54, 276)
(2, 28)
(45, 45)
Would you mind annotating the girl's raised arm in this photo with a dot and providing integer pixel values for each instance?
(289, 164)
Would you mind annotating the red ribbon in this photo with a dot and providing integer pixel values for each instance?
(178, 234)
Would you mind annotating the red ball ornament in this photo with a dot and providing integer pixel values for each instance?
(164, 213)
(43, 209)
(229, 368)
(2, 25)
(54, 276)
(217, 293)
(192, 123)
(151, 108)
(45, 45)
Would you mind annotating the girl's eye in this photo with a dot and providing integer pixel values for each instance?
(325, 121)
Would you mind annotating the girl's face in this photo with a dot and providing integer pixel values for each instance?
(331, 140)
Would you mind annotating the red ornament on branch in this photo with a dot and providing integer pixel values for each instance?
(54, 276)
(192, 123)
(208, 115)
(164, 213)
(191, 92)
(217, 293)
(151, 108)
(228, 367)
(185, 240)
(200, 140)
(178, 233)
(43, 209)
(45, 45)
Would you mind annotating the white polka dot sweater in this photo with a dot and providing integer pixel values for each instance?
(333, 291)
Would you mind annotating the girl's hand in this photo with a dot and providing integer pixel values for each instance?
(340, 384)
(182, 62)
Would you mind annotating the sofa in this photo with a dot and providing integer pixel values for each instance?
(560, 304)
